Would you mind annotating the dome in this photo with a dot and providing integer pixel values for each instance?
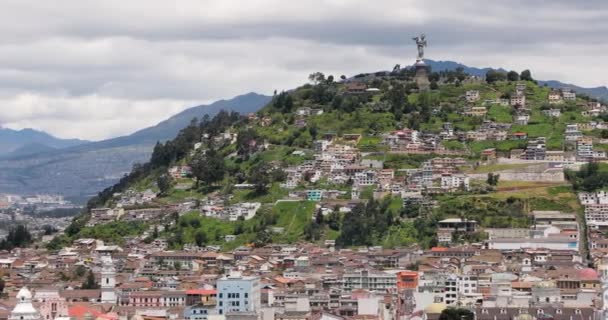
(588, 274)
(24, 294)
(435, 308)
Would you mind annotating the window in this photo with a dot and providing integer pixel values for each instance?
(246, 295)
(577, 311)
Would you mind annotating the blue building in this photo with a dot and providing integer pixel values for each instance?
(238, 293)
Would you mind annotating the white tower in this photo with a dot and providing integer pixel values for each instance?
(24, 310)
(108, 281)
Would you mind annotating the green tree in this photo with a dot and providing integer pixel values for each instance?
(89, 282)
(200, 237)
(208, 168)
(493, 76)
(260, 177)
(512, 76)
(456, 314)
(164, 183)
(80, 271)
(526, 75)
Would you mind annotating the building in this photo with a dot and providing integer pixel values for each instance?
(365, 279)
(572, 133)
(314, 195)
(518, 99)
(24, 310)
(584, 149)
(568, 94)
(446, 228)
(552, 112)
(238, 293)
(472, 95)
(407, 280)
(555, 96)
(108, 281)
(535, 150)
(455, 181)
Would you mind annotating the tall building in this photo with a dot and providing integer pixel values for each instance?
(238, 293)
(108, 281)
(24, 310)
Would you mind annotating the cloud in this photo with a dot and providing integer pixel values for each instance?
(114, 59)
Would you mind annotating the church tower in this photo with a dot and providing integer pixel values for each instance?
(24, 310)
(108, 281)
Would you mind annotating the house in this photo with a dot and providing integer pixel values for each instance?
(488, 154)
(454, 181)
(552, 112)
(519, 136)
(472, 95)
(356, 87)
(555, 96)
(521, 119)
(518, 99)
(476, 111)
(572, 133)
(568, 94)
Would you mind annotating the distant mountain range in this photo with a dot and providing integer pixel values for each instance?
(79, 169)
(600, 93)
(28, 141)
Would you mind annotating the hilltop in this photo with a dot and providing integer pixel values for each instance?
(366, 161)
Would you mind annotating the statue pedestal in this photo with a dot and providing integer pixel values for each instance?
(422, 76)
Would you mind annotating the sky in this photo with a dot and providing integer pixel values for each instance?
(99, 69)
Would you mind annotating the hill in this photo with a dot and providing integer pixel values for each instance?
(597, 92)
(79, 170)
(346, 161)
(31, 141)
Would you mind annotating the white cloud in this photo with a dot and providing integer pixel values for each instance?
(96, 69)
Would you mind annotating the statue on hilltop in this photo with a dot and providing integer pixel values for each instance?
(421, 43)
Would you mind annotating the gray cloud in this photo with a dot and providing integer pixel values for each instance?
(133, 63)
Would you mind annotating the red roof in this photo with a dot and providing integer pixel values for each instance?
(588, 274)
(79, 311)
(439, 249)
(202, 292)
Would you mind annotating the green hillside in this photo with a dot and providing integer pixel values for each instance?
(282, 135)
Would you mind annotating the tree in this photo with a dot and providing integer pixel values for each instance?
(200, 237)
(456, 314)
(80, 271)
(89, 282)
(208, 167)
(316, 77)
(512, 76)
(526, 75)
(492, 179)
(493, 76)
(246, 142)
(260, 177)
(330, 79)
(164, 183)
(343, 77)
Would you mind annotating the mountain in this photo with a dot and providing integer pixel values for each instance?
(32, 141)
(167, 129)
(80, 170)
(597, 92)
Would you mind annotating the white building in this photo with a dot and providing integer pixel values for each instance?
(238, 293)
(454, 181)
(108, 281)
(374, 281)
(472, 95)
(24, 310)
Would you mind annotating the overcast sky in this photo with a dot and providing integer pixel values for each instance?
(98, 69)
